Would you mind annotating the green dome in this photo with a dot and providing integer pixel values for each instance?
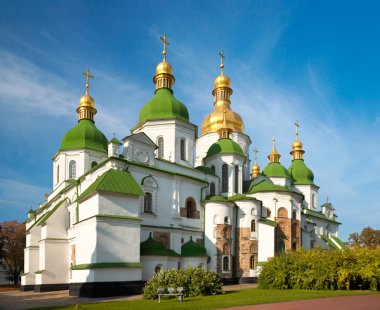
(163, 106)
(192, 249)
(275, 170)
(300, 173)
(224, 146)
(84, 135)
(152, 247)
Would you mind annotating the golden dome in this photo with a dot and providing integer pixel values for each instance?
(255, 170)
(214, 121)
(297, 145)
(164, 67)
(297, 151)
(86, 101)
(222, 81)
(222, 93)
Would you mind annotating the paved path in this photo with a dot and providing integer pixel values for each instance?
(363, 302)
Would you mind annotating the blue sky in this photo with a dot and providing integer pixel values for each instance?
(312, 61)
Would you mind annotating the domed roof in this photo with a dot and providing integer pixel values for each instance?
(164, 67)
(84, 135)
(192, 249)
(297, 145)
(300, 173)
(225, 146)
(86, 101)
(214, 121)
(152, 247)
(222, 81)
(163, 106)
(275, 170)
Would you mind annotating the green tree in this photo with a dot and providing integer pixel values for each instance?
(368, 237)
(12, 243)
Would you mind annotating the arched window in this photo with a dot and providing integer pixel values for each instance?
(93, 164)
(160, 144)
(72, 169)
(57, 176)
(226, 263)
(294, 215)
(226, 220)
(236, 179)
(191, 208)
(212, 189)
(158, 268)
(252, 262)
(253, 226)
(313, 201)
(183, 149)
(282, 212)
(213, 169)
(225, 178)
(148, 203)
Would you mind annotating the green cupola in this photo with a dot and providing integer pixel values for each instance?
(274, 168)
(85, 134)
(163, 105)
(225, 146)
(192, 249)
(298, 170)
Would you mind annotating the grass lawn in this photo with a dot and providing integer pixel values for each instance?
(230, 299)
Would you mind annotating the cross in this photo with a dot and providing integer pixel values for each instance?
(221, 60)
(274, 140)
(165, 42)
(88, 77)
(255, 151)
(297, 126)
(327, 199)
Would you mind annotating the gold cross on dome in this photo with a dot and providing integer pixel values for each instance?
(297, 124)
(165, 42)
(221, 60)
(88, 77)
(255, 151)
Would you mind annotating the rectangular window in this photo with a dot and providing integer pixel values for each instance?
(183, 149)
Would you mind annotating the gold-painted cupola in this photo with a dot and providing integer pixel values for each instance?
(222, 93)
(164, 77)
(297, 151)
(274, 156)
(86, 109)
(255, 168)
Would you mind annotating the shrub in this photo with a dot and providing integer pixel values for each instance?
(318, 269)
(195, 281)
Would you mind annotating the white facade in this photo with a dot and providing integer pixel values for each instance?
(116, 217)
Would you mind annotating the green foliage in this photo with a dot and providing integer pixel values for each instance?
(195, 282)
(318, 269)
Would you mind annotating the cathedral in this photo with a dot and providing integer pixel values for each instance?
(166, 196)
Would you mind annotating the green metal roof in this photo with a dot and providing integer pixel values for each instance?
(225, 146)
(116, 140)
(84, 135)
(192, 249)
(329, 241)
(300, 173)
(115, 181)
(268, 222)
(340, 242)
(275, 170)
(267, 186)
(319, 214)
(155, 248)
(205, 169)
(163, 106)
(233, 198)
